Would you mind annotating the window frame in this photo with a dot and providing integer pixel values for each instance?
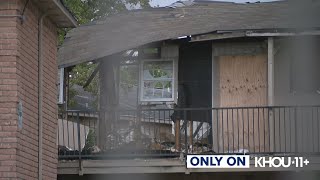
(173, 82)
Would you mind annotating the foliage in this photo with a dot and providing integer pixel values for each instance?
(79, 76)
(90, 141)
(128, 76)
(89, 10)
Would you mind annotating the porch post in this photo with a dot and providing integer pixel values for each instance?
(191, 132)
(177, 133)
(109, 100)
(271, 91)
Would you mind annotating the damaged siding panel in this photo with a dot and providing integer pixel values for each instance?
(239, 48)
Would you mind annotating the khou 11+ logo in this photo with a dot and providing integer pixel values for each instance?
(283, 162)
(243, 161)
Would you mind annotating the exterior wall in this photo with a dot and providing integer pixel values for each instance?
(8, 91)
(19, 83)
(297, 82)
(296, 71)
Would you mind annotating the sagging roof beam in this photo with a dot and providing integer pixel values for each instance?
(235, 34)
(274, 34)
(216, 36)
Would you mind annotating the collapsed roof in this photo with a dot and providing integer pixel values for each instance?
(135, 28)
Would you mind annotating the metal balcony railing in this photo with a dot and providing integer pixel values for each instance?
(176, 132)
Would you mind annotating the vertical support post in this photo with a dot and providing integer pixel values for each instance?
(185, 132)
(177, 133)
(191, 131)
(213, 94)
(215, 99)
(137, 129)
(271, 91)
(295, 130)
(79, 144)
(102, 124)
(109, 98)
(270, 71)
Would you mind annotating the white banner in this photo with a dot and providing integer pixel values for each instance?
(218, 161)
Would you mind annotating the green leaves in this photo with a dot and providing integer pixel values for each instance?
(89, 10)
(79, 76)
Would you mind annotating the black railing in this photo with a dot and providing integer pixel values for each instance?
(175, 132)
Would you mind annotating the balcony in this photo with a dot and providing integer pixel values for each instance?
(171, 134)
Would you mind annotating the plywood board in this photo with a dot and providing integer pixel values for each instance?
(242, 82)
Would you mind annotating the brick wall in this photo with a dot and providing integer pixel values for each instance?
(8, 91)
(19, 83)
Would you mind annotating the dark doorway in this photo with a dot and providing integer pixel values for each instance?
(195, 75)
(195, 80)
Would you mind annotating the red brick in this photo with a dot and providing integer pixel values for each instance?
(9, 81)
(8, 69)
(9, 52)
(8, 174)
(8, 99)
(7, 64)
(9, 104)
(8, 134)
(7, 76)
(8, 145)
(9, 93)
(9, 162)
(6, 152)
(5, 168)
(5, 110)
(8, 117)
(8, 87)
(6, 157)
(9, 140)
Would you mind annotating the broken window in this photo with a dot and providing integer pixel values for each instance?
(157, 80)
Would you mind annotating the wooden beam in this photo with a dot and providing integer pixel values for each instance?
(237, 34)
(276, 34)
(216, 36)
(191, 133)
(177, 134)
(109, 100)
(271, 89)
